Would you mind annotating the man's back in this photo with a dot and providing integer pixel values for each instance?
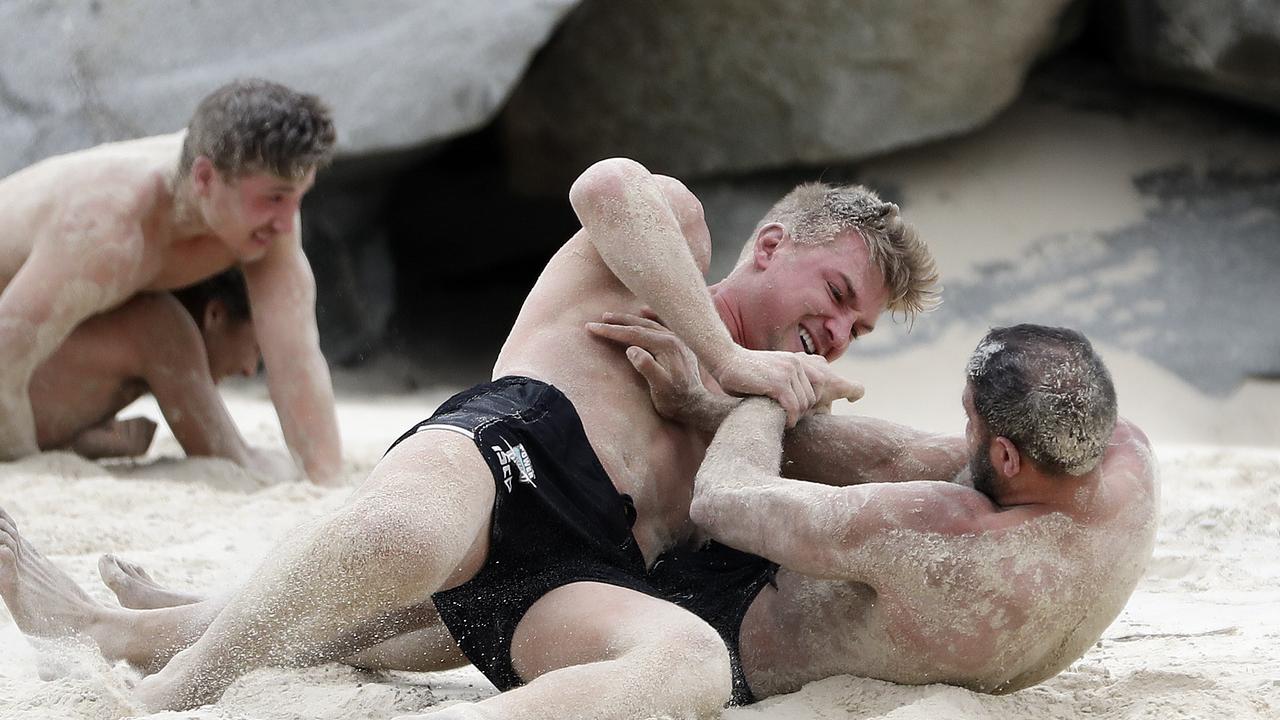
(125, 184)
(994, 611)
(44, 200)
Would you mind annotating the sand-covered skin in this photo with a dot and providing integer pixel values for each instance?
(1199, 637)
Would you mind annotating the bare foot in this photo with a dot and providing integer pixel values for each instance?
(135, 588)
(42, 599)
(116, 439)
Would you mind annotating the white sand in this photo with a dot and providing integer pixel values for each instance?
(1200, 637)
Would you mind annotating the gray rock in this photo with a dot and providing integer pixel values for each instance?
(398, 73)
(703, 88)
(1230, 47)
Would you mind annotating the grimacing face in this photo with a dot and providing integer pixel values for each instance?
(812, 299)
(252, 211)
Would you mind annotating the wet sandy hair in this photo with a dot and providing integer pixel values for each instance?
(1047, 391)
(251, 126)
(227, 286)
(815, 213)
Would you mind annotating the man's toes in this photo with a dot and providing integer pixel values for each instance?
(134, 571)
(108, 569)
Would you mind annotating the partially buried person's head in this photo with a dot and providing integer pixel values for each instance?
(220, 307)
(1041, 393)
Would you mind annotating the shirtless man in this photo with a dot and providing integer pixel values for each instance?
(993, 581)
(176, 347)
(83, 233)
(520, 518)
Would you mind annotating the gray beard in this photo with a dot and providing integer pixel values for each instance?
(983, 473)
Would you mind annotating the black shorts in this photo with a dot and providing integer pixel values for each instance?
(557, 518)
(718, 584)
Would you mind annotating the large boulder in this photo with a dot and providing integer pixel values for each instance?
(398, 73)
(705, 88)
(1229, 47)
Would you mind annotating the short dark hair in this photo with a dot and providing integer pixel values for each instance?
(227, 286)
(255, 125)
(1047, 391)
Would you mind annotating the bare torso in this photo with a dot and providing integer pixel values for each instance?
(651, 459)
(994, 612)
(124, 183)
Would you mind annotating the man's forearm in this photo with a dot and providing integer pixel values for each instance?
(305, 404)
(852, 449)
(709, 411)
(747, 449)
(634, 228)
(17, 425)
(22, 349)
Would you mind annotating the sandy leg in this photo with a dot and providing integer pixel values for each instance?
(608, 653)
(135, 588)
(426, 649)
(349, 581)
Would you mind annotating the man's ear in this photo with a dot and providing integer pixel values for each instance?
(1005, 457)
(215, 314)
(202, 174)
(768, 240)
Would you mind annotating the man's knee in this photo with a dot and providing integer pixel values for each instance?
(694, 657)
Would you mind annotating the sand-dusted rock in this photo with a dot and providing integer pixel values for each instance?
(697, 88)
(398, 73)
(1230, 47)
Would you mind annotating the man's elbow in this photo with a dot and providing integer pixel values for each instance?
(605, 180)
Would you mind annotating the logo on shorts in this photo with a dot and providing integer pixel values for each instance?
(514, 456)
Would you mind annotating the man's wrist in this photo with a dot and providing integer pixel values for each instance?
(720, 357)
(710, 409)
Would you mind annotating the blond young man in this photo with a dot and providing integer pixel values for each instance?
(83, 233)
(514, 527)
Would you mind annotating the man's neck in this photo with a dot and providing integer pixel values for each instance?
(185, 219)
(722, 299)
(1033, 487)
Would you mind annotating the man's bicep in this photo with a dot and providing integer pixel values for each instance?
(689, 214)
(850, 533)
(282, 298)
(851, 449)
(179, 378)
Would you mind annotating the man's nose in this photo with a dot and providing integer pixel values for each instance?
(840, 328)
(283, 222)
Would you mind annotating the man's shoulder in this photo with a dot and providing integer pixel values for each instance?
(153, 322)
(1130, 455)
(120, 175)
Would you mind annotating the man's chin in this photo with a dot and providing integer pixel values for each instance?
(253, 251)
